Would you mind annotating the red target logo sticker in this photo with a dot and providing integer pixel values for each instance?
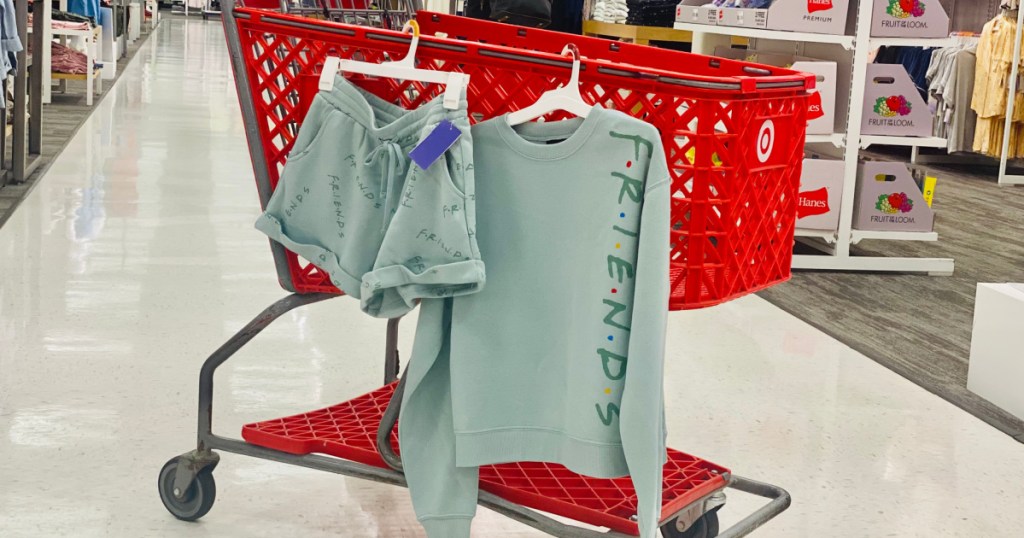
(765, 141)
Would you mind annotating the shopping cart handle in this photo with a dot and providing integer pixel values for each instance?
(780, 501)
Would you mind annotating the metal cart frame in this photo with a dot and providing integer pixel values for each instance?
(186, 482)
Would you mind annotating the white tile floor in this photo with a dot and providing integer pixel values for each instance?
(136, 257)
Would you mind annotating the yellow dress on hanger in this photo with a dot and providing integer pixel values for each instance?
(991, 89)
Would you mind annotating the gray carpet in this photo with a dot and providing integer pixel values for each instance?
(920, 326)
(61, 120)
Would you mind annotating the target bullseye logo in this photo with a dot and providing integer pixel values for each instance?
(765, 140)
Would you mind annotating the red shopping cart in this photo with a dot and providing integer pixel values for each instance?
(733, 134)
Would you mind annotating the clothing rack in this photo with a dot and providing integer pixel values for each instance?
(1010, 8)
(27, 132)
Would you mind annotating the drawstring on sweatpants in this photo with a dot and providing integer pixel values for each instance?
(394, 169)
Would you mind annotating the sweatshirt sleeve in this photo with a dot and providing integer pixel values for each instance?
(641, 421)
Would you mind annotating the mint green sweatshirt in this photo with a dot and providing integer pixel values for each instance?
(559, 358)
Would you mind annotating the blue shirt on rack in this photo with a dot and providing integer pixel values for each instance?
(85, 8)
(10, 43)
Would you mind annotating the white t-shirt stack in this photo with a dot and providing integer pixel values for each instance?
(610, 11)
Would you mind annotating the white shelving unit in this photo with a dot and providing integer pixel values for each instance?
(93, 78)
(860, 235)
(867, 141)
(846, 42)
(836, 139)
(92, 40)
(850, 51)
(913, 42)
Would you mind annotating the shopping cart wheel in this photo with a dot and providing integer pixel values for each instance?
(705, 527)
(198, 497)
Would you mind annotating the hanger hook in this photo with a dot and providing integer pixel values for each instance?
(415, 26)
(574, 51)
(410, 59)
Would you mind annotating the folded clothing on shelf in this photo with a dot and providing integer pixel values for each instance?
(67, 60)
(66, 24)
(746, 4)
(58, 15)
(652, 12)
(610, 11)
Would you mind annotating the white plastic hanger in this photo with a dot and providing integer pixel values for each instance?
(565, 98)
(404, 69)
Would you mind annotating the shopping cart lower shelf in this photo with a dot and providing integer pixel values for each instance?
(349, 430)
(357, 438)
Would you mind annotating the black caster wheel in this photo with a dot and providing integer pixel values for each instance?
(198, 498)
(206, 17)
(705, 527)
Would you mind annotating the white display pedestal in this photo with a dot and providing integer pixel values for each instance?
(154, 13)
(134, 21)
(996, 370)
(108, 49)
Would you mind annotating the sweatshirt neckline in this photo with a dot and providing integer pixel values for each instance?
(529, 139)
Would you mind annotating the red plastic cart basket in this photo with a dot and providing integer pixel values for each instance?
(733, 133)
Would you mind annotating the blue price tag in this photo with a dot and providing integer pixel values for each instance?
(433, 146)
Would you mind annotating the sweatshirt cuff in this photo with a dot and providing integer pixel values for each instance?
(447, 528)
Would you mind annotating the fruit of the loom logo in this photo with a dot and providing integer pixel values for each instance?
(897, 202)
(892, 106)
(901, 9)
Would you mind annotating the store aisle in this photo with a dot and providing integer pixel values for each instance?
(136, 257)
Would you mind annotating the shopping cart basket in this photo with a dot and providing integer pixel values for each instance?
(733, 133)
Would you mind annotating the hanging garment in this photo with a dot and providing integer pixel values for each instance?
(953, 87)
(991, 90)
(351, 201)
(995, 54)
(86, 8)
(958, 90)
(566, 16)
(10, 43)
(574, 229)
(950, 80)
